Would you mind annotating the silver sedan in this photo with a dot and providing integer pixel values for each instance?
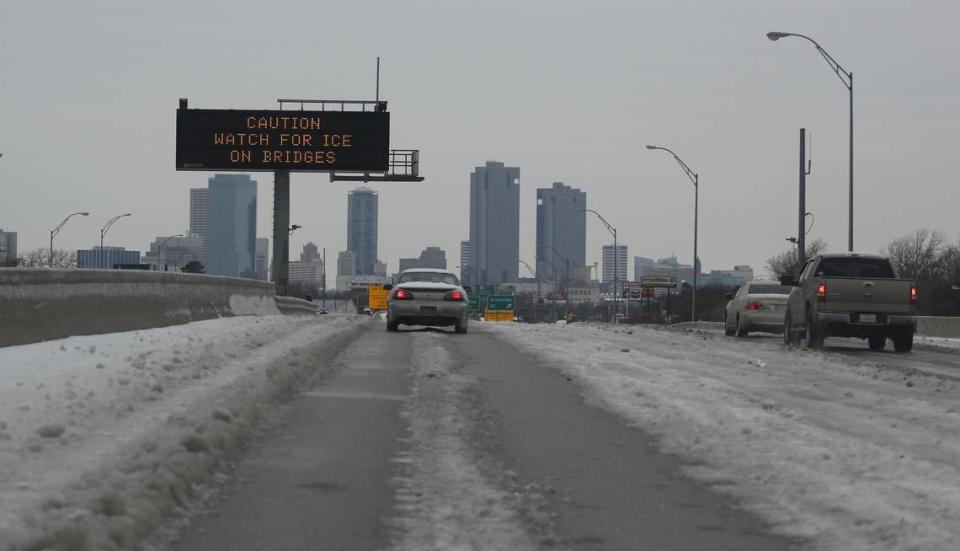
(427, 297)
(757, 306)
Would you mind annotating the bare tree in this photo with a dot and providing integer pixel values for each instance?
(787, 263)
(40, 258)
(917, 255)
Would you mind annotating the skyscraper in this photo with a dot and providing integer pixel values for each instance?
(561, 230)
(431, 257)
(362, 204)
(200, 218)
(8, 249)
(466, 256)
(608, 264)
(233, 225)
(262, 260)
(346, 269)
(494, 224)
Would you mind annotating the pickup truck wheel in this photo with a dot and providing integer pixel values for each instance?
(814, 334)
(903, 343)
(876, 342)
(787, 330)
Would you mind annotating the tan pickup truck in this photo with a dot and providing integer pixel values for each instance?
(850, 295)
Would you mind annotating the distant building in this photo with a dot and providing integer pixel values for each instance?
(466, 257)
(379, 268)
(309, 269)
(8, 249)
(726, 278)
(431, 257)
(173, 253)
(106, 258)
(262, 260)
(233, 225)
(494, 224)
(362, 213)
(200, 219)
(346, 269)
(608, 260)
(561, 229)
(641, 265)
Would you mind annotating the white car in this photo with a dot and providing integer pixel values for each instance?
(427, 297)
(756, 306)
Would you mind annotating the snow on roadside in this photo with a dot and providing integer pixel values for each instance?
(834, 449)
(937, 342)
(102, 436)
(445, 499)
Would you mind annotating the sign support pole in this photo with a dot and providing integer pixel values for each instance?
(281, 230)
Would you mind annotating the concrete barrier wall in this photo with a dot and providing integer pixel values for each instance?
(930, 326)
(296, 306)
(40, 304)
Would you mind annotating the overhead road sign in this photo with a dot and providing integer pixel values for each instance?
(658, 281)
(275, 140)
(500, 302)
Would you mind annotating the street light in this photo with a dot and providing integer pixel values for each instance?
(105, 229)
(616, 265)
(536, 275)
(695, 178)
(846, 78)
(566, 275)
(56, 230)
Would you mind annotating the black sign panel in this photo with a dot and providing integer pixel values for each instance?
(303, 141)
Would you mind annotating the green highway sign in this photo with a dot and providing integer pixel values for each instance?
(473, 304)
(486, 290)
(658, 281)
(500, 302)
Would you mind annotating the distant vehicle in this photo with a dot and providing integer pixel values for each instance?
(322, 311)
(427, 297)
(850, 295)
(366, 312)
(756, 306)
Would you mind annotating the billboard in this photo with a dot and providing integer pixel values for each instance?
(270, 140)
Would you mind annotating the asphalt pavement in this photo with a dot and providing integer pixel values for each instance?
(431, 440)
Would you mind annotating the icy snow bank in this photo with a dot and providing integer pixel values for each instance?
(102, 436)
(835, 449)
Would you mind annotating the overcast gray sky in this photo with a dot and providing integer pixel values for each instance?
(567, 91)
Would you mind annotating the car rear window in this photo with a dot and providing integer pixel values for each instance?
(769, 290)
(430, 277)
(874, 268)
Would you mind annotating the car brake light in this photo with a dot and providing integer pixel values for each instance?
(454, 295)
(913, 295)
(402, 294)
(822, 292)
(754, 305)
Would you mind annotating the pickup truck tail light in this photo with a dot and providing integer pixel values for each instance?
(402, 294)
(456, 296)
(822, 292)
(913, 295)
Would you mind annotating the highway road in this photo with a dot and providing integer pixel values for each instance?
(430, 440)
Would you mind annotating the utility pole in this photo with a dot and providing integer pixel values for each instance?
(801, 217)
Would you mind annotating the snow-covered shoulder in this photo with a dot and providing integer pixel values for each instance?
(844, 452)
(103, 436)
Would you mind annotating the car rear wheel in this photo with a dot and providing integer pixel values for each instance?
(392, 325)
(876, 342)
(460, 326)
(741, 332)
(789, 339)
(904, 342)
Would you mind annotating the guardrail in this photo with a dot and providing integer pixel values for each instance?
(43, 304)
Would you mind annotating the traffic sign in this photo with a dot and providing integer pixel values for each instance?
(473, 304)
(658, 281)
(485, 290)
(498, 315)
(500, 302)
(377, 297)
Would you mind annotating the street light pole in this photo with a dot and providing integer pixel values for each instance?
(56, 230)
(536, 274)
(616, 266)
(103, 232)
(695, 178)
(846, 78)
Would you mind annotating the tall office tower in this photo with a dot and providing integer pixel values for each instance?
(232, 241)
(362, 206)
(608, 264)
(642, 265)
(262, 260)
(494, 223)
(561, 230)
(8, 249)
(200, 218)
(346, 270)
(465, 262)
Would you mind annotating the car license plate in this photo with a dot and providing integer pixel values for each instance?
(428, 309)
(868, 318)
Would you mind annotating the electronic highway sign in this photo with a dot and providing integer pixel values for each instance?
(272, 140)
